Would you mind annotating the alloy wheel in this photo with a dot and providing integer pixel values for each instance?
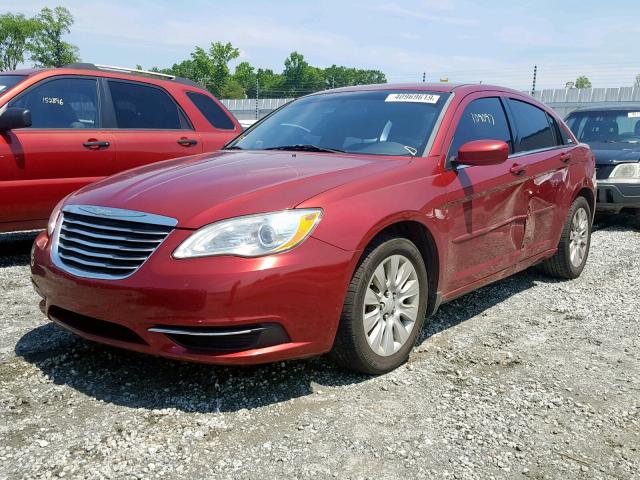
(391, 303)
(579, 237)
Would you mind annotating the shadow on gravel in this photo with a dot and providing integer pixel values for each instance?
(15, 248)
(140, 381)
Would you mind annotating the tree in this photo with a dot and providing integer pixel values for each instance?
(582, 82)
(637, 82)
(245, 76)
(210, 68)
(15, 33)
(47, 47)
(300, 77)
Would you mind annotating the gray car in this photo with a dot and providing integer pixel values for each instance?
(613, 133)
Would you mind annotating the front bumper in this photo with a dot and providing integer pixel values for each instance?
(615, 196)
(295, 299)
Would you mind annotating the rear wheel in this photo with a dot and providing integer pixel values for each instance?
(573, 249)
(384, 309)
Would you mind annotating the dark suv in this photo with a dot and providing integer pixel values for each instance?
(613, 132)
(63, 128)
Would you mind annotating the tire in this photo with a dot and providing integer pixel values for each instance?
(563, 264)
(353, 347)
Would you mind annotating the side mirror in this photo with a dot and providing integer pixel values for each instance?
(483, 152)
(15, 118)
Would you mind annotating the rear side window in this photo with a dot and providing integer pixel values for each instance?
(143, 107)
(211, 111)
(534, 129)
(482, 119)
(562, 137)
(70, 103)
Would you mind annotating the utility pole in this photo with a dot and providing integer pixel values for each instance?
(533, 87)
(257, 97)
(424, 77)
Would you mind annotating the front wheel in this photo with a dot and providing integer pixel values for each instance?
(573, 249)
(384, 309)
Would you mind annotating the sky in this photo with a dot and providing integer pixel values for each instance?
(495, 42)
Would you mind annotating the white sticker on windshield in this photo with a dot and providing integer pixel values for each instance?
(634, 114)
(412, 97)
(2, 87)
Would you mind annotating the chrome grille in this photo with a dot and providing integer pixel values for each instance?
(106, 243)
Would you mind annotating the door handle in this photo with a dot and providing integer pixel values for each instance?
(187, 142)
(96, 144)
(565, 158)
(518, 169)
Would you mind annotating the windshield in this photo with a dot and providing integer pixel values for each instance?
(8, 81)
(615, 126)
(369, 122)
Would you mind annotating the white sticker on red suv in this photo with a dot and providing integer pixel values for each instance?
(634, 114)
(412, 97)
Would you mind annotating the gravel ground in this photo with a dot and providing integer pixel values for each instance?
(527, 378)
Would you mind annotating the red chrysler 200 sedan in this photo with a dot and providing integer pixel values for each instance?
(336, 224)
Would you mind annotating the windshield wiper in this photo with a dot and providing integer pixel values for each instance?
(305, 148)
(233, 147)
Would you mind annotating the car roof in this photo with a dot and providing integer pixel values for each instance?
(609, 107)
(104, 70)
(420, 86)
(24, 71)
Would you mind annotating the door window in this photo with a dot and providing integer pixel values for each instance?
(144, 107)
(211, 111)
(482, 119)
(62, 103)
(534, 129)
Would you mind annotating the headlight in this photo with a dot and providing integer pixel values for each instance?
(55, 216)
(251, 236)
(626, 171)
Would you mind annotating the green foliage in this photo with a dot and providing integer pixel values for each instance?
(582, 82)
(211, 70)
(15, 32)
(47, 47)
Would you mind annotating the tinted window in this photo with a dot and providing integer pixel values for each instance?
(212, 112)
(142, 107)
(555, 128)
(533, 126)
(620, 126)
(383, 122)
(62, 103)
(8, 81)
(482, 119)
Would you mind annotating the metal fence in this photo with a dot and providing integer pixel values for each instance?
(246, 109)
(562, 100)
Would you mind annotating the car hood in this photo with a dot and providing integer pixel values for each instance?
(206, 188)
(613, 153)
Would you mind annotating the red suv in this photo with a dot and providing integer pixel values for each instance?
(336, 224)
(63, 128)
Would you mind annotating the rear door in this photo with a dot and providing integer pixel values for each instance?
(486, 207)
(546, 160)
(148, 124)
(63, 150)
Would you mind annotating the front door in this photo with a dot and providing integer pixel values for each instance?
(486, 207)
(63, 150)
